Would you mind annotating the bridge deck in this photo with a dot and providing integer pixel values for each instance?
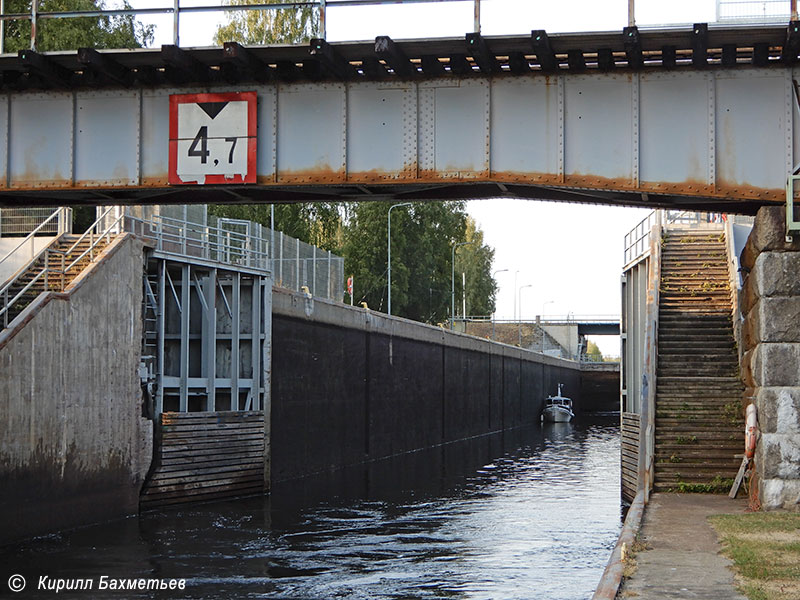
(699, 117)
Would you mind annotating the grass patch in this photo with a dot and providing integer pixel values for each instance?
(765, 549)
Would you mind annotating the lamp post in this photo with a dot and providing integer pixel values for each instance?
(495, 311)
(542, 315)
(389, 253)
(515, 294)
(453, 280)
(519, 322)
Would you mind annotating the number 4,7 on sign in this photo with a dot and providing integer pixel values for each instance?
(212, 138)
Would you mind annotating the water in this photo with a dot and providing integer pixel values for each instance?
(529, 514)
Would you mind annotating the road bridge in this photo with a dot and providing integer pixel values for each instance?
(700, 117)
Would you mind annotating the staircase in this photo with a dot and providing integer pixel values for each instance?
(699, 426)
(56, 261)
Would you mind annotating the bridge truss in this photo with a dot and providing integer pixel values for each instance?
(701, 117)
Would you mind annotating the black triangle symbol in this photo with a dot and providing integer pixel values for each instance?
(212, 109)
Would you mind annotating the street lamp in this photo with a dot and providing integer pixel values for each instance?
(495, 310)
(545, 304)
(519, 322)
(515, 294)
(389, 252)
(453, 280)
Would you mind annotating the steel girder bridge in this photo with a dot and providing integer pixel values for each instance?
(701, 117)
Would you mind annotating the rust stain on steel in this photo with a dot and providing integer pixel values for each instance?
(409, 174)
(320, 174)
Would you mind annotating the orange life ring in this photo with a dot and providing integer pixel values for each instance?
(750, 431)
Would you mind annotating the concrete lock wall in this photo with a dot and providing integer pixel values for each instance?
(350, 385)
(74, 447)
(771, 361)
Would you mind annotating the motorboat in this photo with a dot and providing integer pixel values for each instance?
(557, 409)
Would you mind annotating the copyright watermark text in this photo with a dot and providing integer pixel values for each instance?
(17, 583)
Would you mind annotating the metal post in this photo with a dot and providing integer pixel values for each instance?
(184, 364)
(2, 27)
(494, 312)
(515, 293)
(323, 18)
(280, 260)
(631, 13)
(236, 328)
(297, 266)
(272, 239)
(453, 281)
(519, 322)
(477, 23)
(34, 21)
(330, 275)
(389, 254)
(793, 5)
(313, 285)
(464, 297)
(176, 24)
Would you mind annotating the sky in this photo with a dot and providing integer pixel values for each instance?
(568, 256)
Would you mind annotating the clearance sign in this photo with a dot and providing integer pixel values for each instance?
(212, 138)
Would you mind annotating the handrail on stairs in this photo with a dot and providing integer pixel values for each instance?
(47, 270)
(59, 212)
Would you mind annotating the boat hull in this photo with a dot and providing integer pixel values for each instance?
(556, 414)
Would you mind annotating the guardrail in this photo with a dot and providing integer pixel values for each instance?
(55, 224)
(322, 7)
(55, 267)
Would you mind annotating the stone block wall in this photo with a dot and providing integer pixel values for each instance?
(771, 360)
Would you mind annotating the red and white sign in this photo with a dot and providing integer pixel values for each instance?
(212, 138)
(350, 285)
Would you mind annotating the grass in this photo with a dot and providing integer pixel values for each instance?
(718, 485)
(765, 549)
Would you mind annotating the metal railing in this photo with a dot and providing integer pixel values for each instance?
(175, 9)
(196, 240)
(16, 222)
(756, 11)
(637, 240)
(25, 251)
(56, 269)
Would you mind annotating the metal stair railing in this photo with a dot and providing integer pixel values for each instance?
(61, 215)
(48, 270)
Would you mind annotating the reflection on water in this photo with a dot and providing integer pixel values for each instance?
(528, 514)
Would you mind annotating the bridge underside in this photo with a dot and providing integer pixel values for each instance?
(701, 118)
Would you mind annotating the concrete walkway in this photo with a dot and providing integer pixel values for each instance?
(682, 559)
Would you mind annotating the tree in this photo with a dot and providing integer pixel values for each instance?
(74, 33)
(318, 223)
(593, 350)
(275, 26)
(475, 260)
(422, 240)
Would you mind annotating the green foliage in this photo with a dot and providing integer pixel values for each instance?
(593, 350)
(71, 34)
(279, 26)
(318, 223)
(718, 485)
(422, 240)
(475, 260)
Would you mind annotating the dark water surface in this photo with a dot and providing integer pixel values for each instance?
(527, 514)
